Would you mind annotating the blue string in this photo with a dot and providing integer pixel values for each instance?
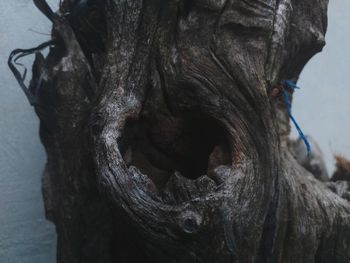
(287, 84)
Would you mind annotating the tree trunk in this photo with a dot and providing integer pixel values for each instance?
(167, 134)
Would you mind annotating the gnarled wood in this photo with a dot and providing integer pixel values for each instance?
(164, 142)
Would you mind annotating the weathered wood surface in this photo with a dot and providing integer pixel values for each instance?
(164, 143)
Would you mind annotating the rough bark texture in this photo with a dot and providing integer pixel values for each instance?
(166, 142)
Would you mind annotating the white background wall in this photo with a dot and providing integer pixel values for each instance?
(25, 235)
(322, 106)
(322, 109)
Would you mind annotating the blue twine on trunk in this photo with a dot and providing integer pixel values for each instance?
(287, 84)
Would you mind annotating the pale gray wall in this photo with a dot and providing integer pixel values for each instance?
(321, 107)
(25, 235)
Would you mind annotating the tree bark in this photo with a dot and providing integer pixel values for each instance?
(167, 141)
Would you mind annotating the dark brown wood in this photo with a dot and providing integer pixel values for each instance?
(164, 144)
